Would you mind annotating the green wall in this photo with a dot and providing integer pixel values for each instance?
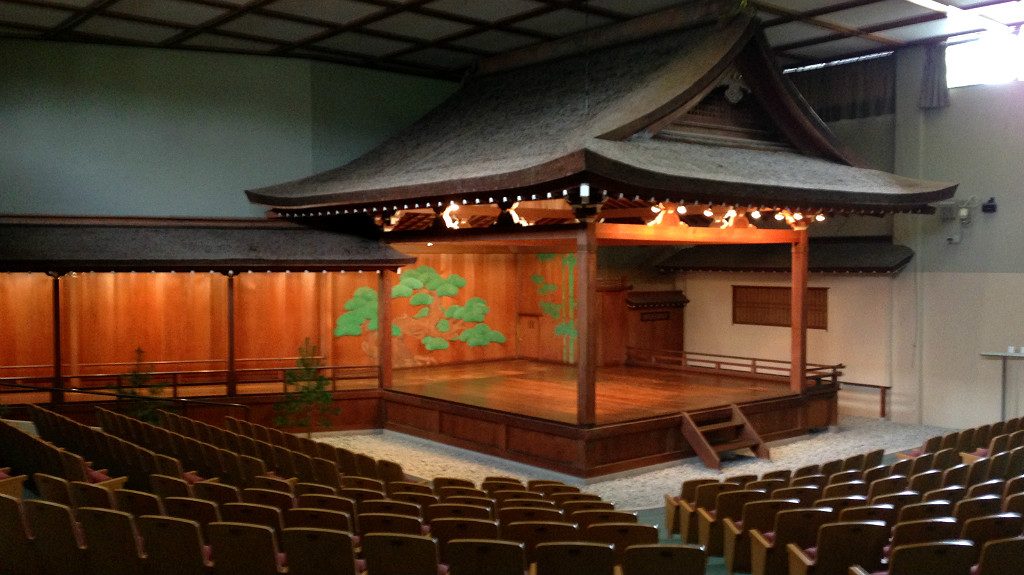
(104, 130)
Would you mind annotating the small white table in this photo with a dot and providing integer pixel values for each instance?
(1004, 356)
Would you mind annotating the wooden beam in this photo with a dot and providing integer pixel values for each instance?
(586, 326)
(632, 234)
(384, 281)
(690, 15)
(798, 313)
(232, 387)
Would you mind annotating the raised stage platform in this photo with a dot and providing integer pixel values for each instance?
(525, 411)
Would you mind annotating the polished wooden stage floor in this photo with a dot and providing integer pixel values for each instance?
(548, 391)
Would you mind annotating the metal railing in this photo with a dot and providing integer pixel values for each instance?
(710, 362)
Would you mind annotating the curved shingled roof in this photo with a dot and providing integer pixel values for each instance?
(167, 245)
(586, 118)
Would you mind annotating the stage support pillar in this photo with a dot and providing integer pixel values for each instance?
(385, 278)
(57, 389)
(232, 387)
(586, 325)
(798, 312)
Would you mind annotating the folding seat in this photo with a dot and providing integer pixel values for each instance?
(492, 485)
(18, 553)
(664, 560)
(275, 483)
(1002, 556)
(346, 461)
(837, 504)
(817, 480)
(925, 510)
(57, 541)
(439, 482)
(551, 488)
(313, 551)
(502, 496)
(326, 472)
(509, 515)
(854, 463)
(832, 553)
(845, 489)
(455, 491)
(137, 503)
(366, 466)
(922, 531)
(455, 511)
(535, 503)
(990, 487)
(253, 513)
(727, 505)
(389, 471)
(303, 465)
(952, 494)
(705, 497)
(284, 464)
(91, 495)
(390, 523)
(736, 532)
(572, 558)
(973, 507)
(54, 489)
(812, 469)
(485, 557)
(444, 530)
(219, 493)
(301, 488)
(898, 500)
(768, 555)
(687, 492)
(845, 476)
(620, 536)
(330, 502)
(950, 557)
(244, 549)
(201, 511)
(281, 500)
(362, 482)
(945, 458)
(588, 517)
(768, 485)
(925, 481)
(400, 554)
(981, 530)
(530, 533)
(570, 507)
(885, 513)
(805, 494)
(391, 506)
(359, 494)
(408, 487)
(783, 474)
(318, 518)
(168, 486)
(112, 547)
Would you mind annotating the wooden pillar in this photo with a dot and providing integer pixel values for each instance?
(232, 370)
(384, 281)
(798, 312)
(57, 388)
(586, 325)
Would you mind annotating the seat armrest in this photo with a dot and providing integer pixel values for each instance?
(730, 526)
(799, 562)
(705, 515)
(756, 537)
(857, 570)
(114, 483)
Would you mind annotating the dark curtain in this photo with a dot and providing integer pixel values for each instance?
(854, 90)
(934, 91)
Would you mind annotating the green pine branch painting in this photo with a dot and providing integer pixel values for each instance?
(561, 306)
(437, 322)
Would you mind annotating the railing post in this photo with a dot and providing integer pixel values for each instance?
(57, 387)
(232, 387)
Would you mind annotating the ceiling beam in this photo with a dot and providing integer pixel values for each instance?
(920, 19)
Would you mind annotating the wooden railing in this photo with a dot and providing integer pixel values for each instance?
(709, 362)
(178, 383)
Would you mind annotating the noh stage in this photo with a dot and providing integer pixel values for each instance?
(526, 410)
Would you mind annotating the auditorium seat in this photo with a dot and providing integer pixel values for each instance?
(312, 551)
(981, 530)
(573, 558)
(833, 554)
(486, 557)
(58, 541)
(736, 533)
(90, 495)
(664, 560)
(507, 515)
(112, 547)
(455, 510)
(201, 511)
(219, 493)
(768, 555)
(587, 517)
(398, 554)
(885, 513)
(530, 533)
(950, 557)
(704, 497)
(925, 510)
(245, 549)
(710, 521)
(18, 553)
(447, 529)
(253, 513)
(391, 506)
(620, 536)
(1001, 556)
(173, 546)
(318, 518)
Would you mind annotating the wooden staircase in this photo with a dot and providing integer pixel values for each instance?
(716, 431)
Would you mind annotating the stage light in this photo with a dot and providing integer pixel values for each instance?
(780, 216)
(680, 210)
(655, 209)
(819, 218)
(708, 213)
(798, 216)
(756, 214)
(731, 213)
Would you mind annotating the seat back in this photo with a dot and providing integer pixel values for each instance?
(389, 523)
(318, 518)
(836, 554)
(951, 557)
(621, 536)
(18, 554)
(530, 533)
(112, 548)
(509, 515)
(565, 558)
(85, 494)
(168, 486)
(173, 546)
(455, 510)
(219, 493)
(976, 507)
(485, 557)
(271, 497)
(253, 513)
(391, 506)
(201, 511)
(56, 538)
(588, 517)
(760, 514)
(925, 510)
(327, 472)
(138, 503)
(730, 504)
(983, 529)
(664, 560)
(884, 513)
(316, 551)
(389, 471)
(1002, 556)
(445, 530)
(52, 488)
(924, 531)
(399, 554)
(243, 549)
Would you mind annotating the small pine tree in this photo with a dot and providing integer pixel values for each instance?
(307, 402)
(138, 383)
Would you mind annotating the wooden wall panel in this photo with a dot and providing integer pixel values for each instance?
(172, 317)
(26, 330)
(546, 292)
(348, 350)
(274, 314)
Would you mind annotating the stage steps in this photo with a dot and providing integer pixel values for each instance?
(716, 431)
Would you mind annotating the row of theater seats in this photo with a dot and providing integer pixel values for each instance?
(942, 511)
(979, 441)
(455, 508)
